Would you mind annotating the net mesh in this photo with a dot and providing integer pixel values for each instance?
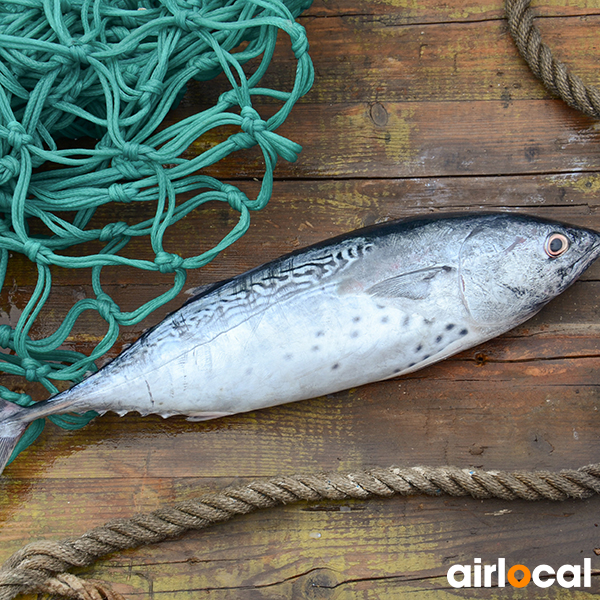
(111, 70)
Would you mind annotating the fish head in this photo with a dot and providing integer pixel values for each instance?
(510, 266)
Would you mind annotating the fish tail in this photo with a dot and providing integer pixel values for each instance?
(12, 427)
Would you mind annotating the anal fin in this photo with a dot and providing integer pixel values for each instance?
(206, 416)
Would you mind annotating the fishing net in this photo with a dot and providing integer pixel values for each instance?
(111, 70)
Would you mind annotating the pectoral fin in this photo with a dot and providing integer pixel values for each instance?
(415, 285)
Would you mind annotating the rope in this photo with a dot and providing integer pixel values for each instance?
(555, 75)
(42, 566)
(111, 71)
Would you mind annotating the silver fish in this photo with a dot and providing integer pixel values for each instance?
(366, 306)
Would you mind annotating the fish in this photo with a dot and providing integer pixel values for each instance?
(370, 305)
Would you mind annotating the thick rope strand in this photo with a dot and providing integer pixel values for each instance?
(42, 566)
(555, 75)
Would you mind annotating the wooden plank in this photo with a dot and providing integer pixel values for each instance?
(396, 553)
(432, 139)
(305, 212)
(430, 11)
(395, 558)
(417, 108)
(388, 60)
(462, 428)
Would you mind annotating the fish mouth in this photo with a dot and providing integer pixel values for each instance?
(590, 255)
(595, 249)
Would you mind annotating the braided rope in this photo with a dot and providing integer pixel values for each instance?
(42, 566)
(555, 75)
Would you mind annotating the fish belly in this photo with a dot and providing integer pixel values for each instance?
(295, 349)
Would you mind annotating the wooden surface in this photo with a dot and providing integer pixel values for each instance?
(417, 108)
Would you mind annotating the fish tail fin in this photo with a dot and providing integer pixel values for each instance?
(11, 429)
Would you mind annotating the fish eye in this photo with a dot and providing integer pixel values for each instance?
(556, 244)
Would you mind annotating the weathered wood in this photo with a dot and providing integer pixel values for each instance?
(390, 60)
(431, 11)
(429, 139)
(417, 108)
(307, 211)
(392, 558)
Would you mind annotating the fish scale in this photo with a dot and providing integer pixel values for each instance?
(367, 306)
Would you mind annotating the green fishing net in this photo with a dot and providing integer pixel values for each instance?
(111, 70)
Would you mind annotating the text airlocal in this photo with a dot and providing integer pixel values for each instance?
(519, 576)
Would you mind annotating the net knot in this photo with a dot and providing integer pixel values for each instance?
(205, 63)
(117, 192)
(242, 141)
(167, 262)
(183, 21)
(17, 137)
(299, 40)
(16, 397)
(34, 369)
(107, 307)
(5, 336)
(235, 198)
(133, 151)
(9, 168)
(252, 124)
(79, 52)
(131, 161)
(131, 72)
(112, 230)
(36, 252)
(153, 87)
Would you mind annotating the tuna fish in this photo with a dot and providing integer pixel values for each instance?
(366, 306)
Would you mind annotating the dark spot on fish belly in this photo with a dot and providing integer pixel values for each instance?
(316, 348)
(450, 326)
(336, 366)
(419, 348)
(397, 371)
(355, 319)
(320, 333)
(411, 365)
(385, 319)
(354, 334)
(150, 394)
(426, 356)
(288, 356)
(406, 321)
(438, 339)
(463, 332)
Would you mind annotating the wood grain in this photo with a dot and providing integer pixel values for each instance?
(417, 108)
